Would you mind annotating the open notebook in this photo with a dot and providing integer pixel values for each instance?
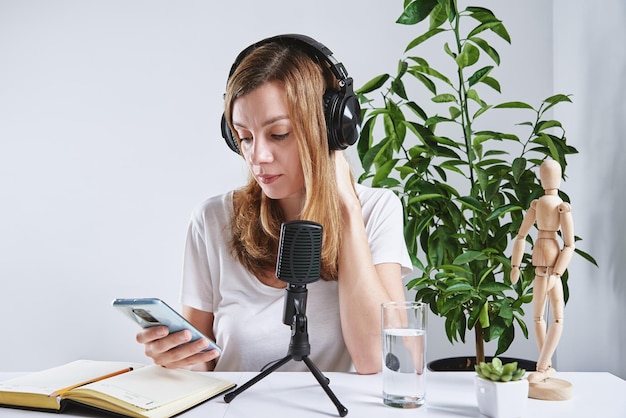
(129, 389)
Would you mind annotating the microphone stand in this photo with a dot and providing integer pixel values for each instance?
(299, 347)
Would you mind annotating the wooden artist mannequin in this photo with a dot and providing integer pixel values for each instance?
(550, 214)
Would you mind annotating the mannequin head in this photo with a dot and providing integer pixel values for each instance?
(550, 174)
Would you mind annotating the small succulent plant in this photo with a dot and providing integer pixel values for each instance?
(498, 372)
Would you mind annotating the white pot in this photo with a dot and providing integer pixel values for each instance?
(501, 399)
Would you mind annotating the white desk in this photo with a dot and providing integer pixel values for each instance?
(449, 394)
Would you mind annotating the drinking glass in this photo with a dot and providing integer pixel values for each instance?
(404, 349)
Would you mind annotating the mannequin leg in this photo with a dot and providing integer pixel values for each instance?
(540, 289)
(544, 363)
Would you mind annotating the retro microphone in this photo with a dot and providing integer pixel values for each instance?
(298, 264)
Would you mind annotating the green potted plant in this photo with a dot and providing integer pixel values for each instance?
(464, 185)
(501, 390)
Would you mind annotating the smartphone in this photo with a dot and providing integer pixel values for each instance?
(150, 312)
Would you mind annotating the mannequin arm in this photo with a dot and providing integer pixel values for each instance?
(567, 232)
(520, 241)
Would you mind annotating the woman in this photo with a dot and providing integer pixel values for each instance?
(275, 105)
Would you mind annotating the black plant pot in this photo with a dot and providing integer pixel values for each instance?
(466, 364)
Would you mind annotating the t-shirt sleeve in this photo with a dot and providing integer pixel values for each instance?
(196, 287)
(384, 224)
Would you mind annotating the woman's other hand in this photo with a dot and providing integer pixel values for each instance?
(345, 182)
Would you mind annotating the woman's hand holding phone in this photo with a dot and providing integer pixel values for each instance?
(170, 339)
(176, 350)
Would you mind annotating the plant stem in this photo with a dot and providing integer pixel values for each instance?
(466, 122)
(480, 344)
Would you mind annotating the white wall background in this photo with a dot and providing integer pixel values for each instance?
(590, 66)
(109, 114)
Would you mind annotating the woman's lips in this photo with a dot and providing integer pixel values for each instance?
(267, 178)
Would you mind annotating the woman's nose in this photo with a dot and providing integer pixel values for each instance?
(261, 151)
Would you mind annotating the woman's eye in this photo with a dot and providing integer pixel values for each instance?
(280, 136)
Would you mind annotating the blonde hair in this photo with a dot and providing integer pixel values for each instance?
(257, 219)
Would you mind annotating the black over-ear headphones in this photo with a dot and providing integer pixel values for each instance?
(342, 110)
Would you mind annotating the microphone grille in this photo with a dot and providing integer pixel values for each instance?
(299, 252)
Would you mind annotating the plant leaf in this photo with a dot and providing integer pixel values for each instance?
(505, 340)
(518, 166)
(513, 105)
(556, 99)
(472, 203)
(365, 142)
(374, 84)
(469, 56)
(494, 287)
(416, 11)
(469, 256)
(502, 210)
(444, 98)
(484, 45)
(459, 287)
(483, 317)
(424, 197)
(586, 256)
(383, 171)
(367, 160)
(479, 75)
(492, 82)
(415, 42)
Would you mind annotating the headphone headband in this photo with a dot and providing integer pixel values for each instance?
(313, 47)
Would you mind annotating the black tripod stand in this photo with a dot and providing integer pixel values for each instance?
(299, 347)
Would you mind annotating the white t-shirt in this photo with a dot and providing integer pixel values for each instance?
(248, 315)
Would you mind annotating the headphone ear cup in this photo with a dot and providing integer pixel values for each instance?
(228, 136)
(343, 118)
